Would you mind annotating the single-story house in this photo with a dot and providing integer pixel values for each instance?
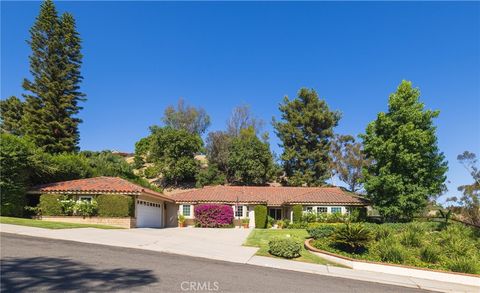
(154, 209)
(279, 200)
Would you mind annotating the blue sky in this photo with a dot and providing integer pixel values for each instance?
(141, 57)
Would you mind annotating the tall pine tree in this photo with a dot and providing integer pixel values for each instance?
(306, 134)
(11, 112)
(52, 104)
(407, 166)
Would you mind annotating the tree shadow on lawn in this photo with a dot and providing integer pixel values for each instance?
(58, 274)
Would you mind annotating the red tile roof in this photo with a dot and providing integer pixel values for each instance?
(270, 195)
(97, 185)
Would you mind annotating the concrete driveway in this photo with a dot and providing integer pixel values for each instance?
(220, 244)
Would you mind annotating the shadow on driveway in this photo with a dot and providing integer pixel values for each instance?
(58, 274)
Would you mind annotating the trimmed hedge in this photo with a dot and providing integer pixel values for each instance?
(50, 204)
(115, 205)
(297, 213)
(285, 247)
(260, 216)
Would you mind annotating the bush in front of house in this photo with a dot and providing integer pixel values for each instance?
(85, 208)
(260, 216)
(213, 215)
(354, 237)
(115, 205)
(285, 247)
(320, 231)
(297, 213)
(51, 205)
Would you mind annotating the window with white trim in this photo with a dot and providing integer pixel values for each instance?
(334, 210)
(186, 210)
(239, 211)
(308, 209)
(85, 197)
(322, 210)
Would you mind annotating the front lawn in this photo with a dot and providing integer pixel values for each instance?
(260, 238)
(49, 224)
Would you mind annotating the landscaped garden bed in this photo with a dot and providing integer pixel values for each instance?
(431, 245)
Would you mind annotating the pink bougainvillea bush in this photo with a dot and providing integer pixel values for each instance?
(213, 215)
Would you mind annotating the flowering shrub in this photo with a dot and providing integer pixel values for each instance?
(68, 206)
(85, 208)
(213, 215)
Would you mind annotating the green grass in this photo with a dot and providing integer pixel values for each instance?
(49, 224)
(260, 238)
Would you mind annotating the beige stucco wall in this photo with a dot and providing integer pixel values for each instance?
(171, 215)
(117, 222)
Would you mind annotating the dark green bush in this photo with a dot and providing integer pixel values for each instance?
(285, 247)
(297, 213)
(260, 216)
(430, 254)
(115, 205)
(354, 237)
(321, 231)
(50, 204)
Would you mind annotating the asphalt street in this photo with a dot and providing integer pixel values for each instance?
(30, 264)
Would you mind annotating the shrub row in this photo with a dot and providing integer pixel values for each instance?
(107, 205)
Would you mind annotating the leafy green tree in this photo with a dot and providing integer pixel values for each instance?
(407, 167)
(172, 152)
(52, 103)
(210, 176)
(306, 132)
(217, 149)
(191, 119)
(142, 148)
(14, 180)
(11, 112)
(106, 163)
(348, 160)
(250, 160)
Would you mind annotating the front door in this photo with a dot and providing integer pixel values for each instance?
(275, 213)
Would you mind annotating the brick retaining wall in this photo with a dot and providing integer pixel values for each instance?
(117, 222)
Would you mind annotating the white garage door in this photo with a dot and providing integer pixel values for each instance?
(149, 214)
